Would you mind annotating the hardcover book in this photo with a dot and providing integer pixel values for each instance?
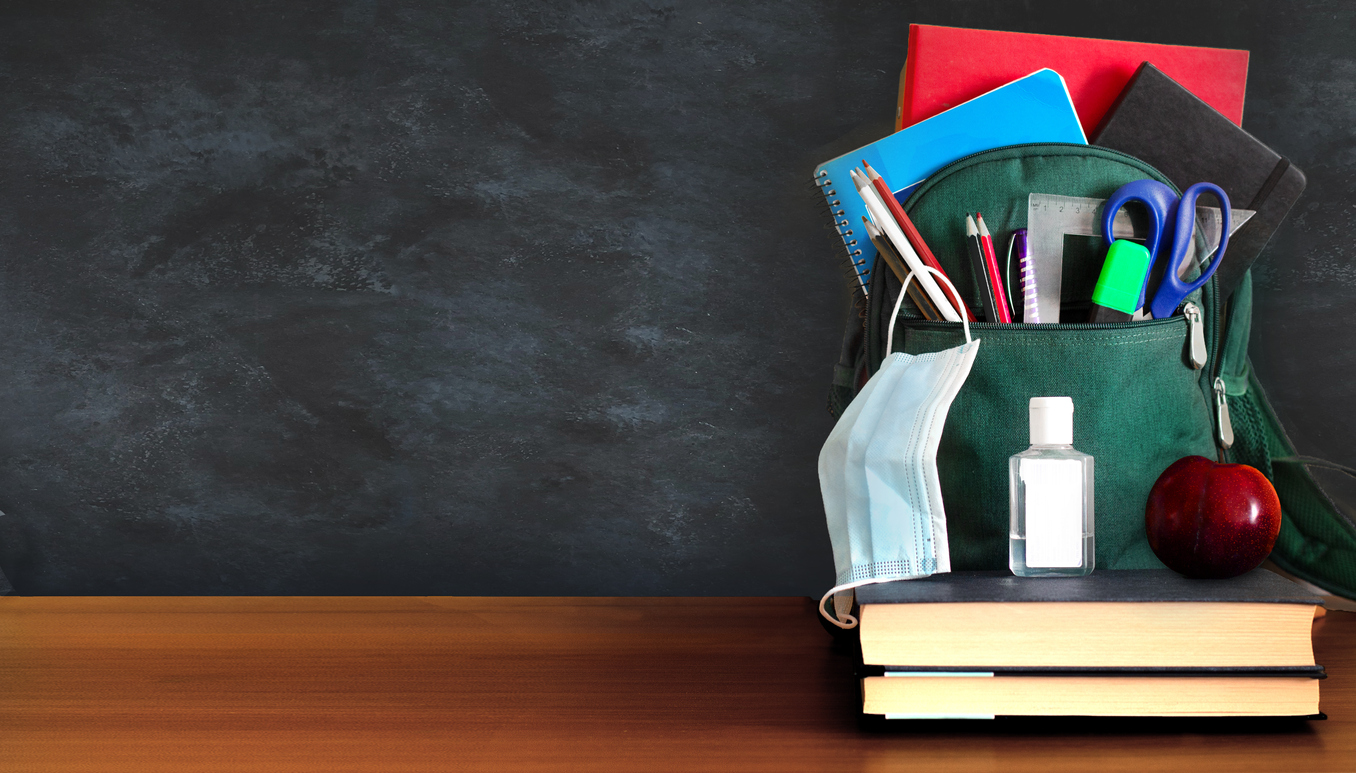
(1145, 619)
(948, 65)
(1112, 643)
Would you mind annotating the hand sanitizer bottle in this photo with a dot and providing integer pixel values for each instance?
(1050, 497)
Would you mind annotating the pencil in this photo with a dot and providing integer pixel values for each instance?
(896, 264)
(981, 271)
(876, 208)
(1000, 296)
(911, 233)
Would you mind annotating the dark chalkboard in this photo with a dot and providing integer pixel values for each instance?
(500, 298)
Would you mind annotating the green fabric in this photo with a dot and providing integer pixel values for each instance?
(1235, 368)
(1133, 427)
(1317, 540)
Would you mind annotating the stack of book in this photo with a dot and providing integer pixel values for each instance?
(1113, 643)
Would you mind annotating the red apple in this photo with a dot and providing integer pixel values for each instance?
(1211, 520)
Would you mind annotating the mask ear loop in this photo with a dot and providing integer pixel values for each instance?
(890, 334)
(848, 620)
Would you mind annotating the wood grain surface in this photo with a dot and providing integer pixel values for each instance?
(337, 684)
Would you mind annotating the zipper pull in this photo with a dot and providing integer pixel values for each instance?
(1196, 334)
(1226, 428)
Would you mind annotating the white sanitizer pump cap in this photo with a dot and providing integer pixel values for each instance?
(1052, 421)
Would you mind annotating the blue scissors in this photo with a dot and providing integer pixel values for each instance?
(1171, 223)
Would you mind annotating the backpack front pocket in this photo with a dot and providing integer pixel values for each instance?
(1138, 407)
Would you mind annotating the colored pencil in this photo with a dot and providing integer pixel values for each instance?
(896, 264)
(876, 208)
(911, 233)
(981, 271)
(1000, 296)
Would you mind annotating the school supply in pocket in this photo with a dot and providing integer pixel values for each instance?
(994, 274)
(896, 264)
(1020, 243)
(948, 65)
(1052, 217)
(1034, 108)
(882, 217)
(979, 271)
(1119, 290)
(1158, 119)
(914, 239)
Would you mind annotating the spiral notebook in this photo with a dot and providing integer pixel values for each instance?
(1036, 108)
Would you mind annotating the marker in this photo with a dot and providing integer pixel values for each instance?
(1116, 295)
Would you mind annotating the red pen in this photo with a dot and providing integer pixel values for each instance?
(915, 238)
(1000, 294)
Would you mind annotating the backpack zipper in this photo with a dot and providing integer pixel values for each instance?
(1225, 436)
(940, 325)
(1224, 428)
(1198, 355)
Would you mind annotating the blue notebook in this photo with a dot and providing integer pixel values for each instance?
(1036, 108)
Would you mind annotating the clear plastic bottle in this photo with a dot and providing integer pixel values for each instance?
(1050, 496)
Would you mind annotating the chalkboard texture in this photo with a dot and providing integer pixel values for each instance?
(501, 298)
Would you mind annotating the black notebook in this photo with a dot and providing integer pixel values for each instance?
(1158, 121)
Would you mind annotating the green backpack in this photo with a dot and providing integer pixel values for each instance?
(1139, 404)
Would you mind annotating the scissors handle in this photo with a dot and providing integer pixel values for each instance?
(1156, 197)
(1172, 291)
(1160, 201)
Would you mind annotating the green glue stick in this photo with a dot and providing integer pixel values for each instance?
(1116, 296)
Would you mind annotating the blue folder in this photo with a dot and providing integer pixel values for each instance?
(1036, 108)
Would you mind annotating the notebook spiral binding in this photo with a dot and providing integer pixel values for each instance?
(843, 237)
(840, 245)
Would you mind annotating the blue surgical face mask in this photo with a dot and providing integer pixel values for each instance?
(878, 470)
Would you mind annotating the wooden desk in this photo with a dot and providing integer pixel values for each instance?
(468, 684)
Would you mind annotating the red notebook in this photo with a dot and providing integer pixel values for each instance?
(949, 65)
